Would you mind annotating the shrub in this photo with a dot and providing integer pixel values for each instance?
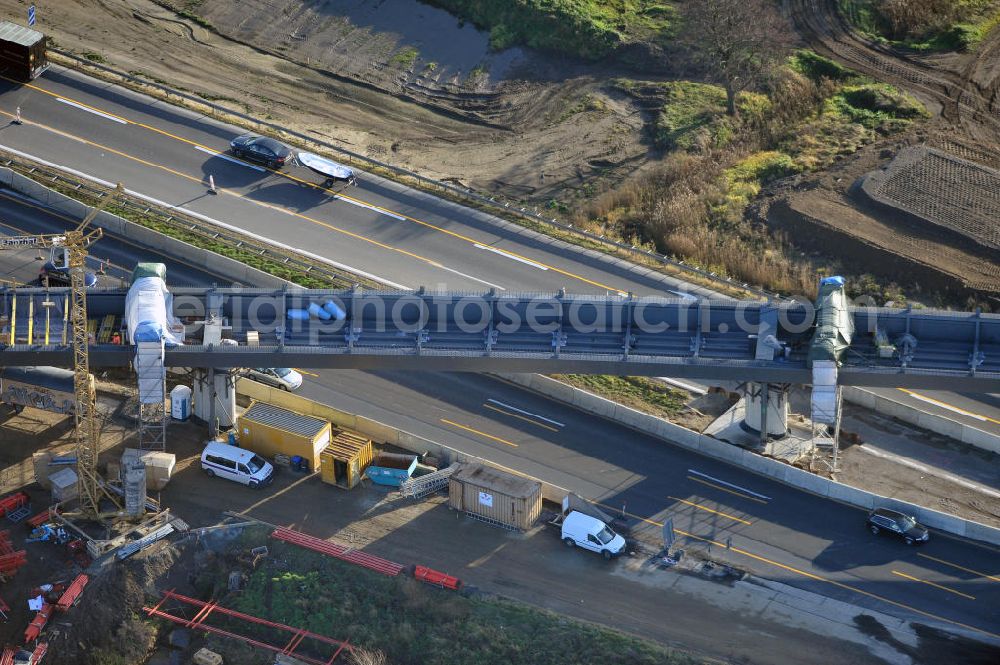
(876, 106)
(816, 67)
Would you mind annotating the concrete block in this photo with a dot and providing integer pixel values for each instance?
(941, 521)
(893, 409)
(682, 436)
(980, 439)
(598, 406)
(851, 495)
(776, 470)
(757, 463)
(551, 388)
(943, 426)
(859, 396)
(982, 532)
(810, 482)
(896, 504)
(635, 419)
(721, 450)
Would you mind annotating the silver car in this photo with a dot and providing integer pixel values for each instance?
(285, 378)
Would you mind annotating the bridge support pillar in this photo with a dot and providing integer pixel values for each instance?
(766, 409)
(215, 398)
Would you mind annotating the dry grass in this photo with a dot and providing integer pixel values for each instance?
(693, 203)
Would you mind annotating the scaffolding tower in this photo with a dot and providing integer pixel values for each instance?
(151, 375)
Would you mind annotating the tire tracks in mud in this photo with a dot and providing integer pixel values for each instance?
(971, 107)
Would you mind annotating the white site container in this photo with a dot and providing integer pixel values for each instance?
(64, 485)
(180, 403)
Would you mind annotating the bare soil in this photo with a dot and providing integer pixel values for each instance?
(822, 213)
(525, 124)
(919, 484)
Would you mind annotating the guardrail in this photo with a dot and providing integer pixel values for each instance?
(160, 218)
(501, 205)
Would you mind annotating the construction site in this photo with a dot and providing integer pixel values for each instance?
(247, 418)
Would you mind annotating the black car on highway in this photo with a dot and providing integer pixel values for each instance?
(261, 149)
(899, 524)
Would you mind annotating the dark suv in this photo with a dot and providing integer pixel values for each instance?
(261, 149)
(900, 524)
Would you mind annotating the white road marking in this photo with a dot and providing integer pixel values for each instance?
(735, 487)
(220, 155)
(206, 218)
(372, 208)
(106, 116)
(697, 390)
(511, 256)
(462, 274)
(526, 413)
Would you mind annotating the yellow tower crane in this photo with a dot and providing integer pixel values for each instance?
(73, 245)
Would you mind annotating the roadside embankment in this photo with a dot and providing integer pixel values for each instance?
(710, 447)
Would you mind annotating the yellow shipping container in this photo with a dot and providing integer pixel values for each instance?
(270, 430)
(345, 459)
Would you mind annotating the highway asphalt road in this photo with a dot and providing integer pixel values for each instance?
(402, 236)
(405, 237)
(112, 258)
(787, 534)
(774, 530)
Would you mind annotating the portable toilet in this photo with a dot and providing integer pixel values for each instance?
(180, 403)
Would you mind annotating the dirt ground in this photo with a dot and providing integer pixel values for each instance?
(530, 126)
(520, 123)
(822, 212)
(868, 471)
(532, 567)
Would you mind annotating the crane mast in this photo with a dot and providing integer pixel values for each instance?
(74, 244)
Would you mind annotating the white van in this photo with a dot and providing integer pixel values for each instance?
(592, 534)
(235, 463)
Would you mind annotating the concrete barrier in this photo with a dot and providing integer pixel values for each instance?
(379, 432)
(178, 250)
(720, 450)
(942, 425)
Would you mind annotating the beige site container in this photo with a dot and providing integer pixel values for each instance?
(40, 462)
(270, 430)
(495, 496)
(159, 466)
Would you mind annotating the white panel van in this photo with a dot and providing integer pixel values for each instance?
(235, 463)
(584, 531)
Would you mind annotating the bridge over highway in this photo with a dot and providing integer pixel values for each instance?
(556, 333)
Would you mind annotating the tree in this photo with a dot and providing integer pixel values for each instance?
(913, 18)
(738, 41)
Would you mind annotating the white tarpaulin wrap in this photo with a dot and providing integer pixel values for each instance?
(824, 392)
(149, 313)
(324, 166)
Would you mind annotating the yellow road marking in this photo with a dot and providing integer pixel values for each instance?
(807, 574)
(524, 418)
(933, 584)
(475, 431)
(949, 407)
(220, 190)
(453, 234)
(302, 371)
(709, 510)
(955, 565)
(726, 489)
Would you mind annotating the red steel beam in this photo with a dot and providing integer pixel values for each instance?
(72, 592)
(357, 557)
(205, 609)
